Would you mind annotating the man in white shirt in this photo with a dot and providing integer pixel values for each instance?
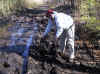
(65, 30)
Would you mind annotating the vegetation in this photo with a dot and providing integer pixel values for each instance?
(9, 6)
(88, 13)
(42, 51)
(88, 9)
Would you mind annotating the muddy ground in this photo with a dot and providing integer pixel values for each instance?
(43, 58)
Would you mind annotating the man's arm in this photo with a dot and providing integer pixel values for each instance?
(59, 32)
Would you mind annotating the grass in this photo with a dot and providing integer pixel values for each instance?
(9, 6)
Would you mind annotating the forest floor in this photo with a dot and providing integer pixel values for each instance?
(43, 58)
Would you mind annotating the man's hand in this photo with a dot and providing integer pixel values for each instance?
(43, 38)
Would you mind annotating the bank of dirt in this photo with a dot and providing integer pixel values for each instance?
(43, 58)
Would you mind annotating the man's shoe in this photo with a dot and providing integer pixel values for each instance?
(71, 60)
(72, 57)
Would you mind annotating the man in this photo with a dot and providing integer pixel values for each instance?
(64, 30)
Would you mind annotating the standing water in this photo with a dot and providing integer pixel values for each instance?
(26, 52)
(23, 36)
(14, 38)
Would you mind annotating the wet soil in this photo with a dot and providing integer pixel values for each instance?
(43, 58)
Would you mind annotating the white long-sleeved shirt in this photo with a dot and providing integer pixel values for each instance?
(63, 21)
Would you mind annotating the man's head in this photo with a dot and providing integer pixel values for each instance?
(49, 13)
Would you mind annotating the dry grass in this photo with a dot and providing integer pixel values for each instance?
(33, 3)
(10, 6)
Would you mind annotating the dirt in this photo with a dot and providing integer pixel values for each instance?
(43, 58)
